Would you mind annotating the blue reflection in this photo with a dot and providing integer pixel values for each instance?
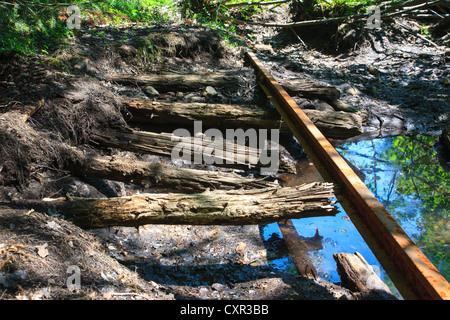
(405, 175)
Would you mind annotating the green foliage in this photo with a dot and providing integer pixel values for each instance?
(40, 26)
(423, 179)
(30, 28)
(148, 50)
(405, 174)
(136, 10)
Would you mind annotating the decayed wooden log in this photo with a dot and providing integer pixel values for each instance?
(358, 276)
(191, 82)
(218, 207)
(158, 174)
(212, 115)
(337, 124)
(179, 82)
(333, 124)
(239, 156)
(310, 89)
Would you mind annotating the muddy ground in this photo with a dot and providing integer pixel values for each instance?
(398, 82)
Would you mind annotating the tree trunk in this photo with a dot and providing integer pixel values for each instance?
(212, 115)
(333, 124)
(241, 157)
(179, 82)
(358, 276)
(218, 207)
(158, 174)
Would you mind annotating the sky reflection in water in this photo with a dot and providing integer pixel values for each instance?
(405, 175)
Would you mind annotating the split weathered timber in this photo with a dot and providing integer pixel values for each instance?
(358, 276)
(197, 150)
(217, 207)
(179, 82)
(159, 174)
(333, 124)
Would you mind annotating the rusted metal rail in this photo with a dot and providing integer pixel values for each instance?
(412, 273)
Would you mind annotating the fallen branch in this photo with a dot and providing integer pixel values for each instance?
(148, 175)
(411, 31)
(179, 82)
(310, 89)
(218, 207)
(292, 24)
(298, 248)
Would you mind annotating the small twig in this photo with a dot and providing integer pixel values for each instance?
(298, 37)
(436, 13)
(179, 242)
(416, 34)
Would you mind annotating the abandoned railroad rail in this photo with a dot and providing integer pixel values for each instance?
(412, 273)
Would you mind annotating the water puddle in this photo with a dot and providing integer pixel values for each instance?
(406, 176)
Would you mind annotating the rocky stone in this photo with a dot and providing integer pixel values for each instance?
(209, 92)
(353, 91)
(81, 65)
(218, 287)
(349, 89)
(150, 91)
(372, 71)
(127, 52)
(342, 106)
(196, 99)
